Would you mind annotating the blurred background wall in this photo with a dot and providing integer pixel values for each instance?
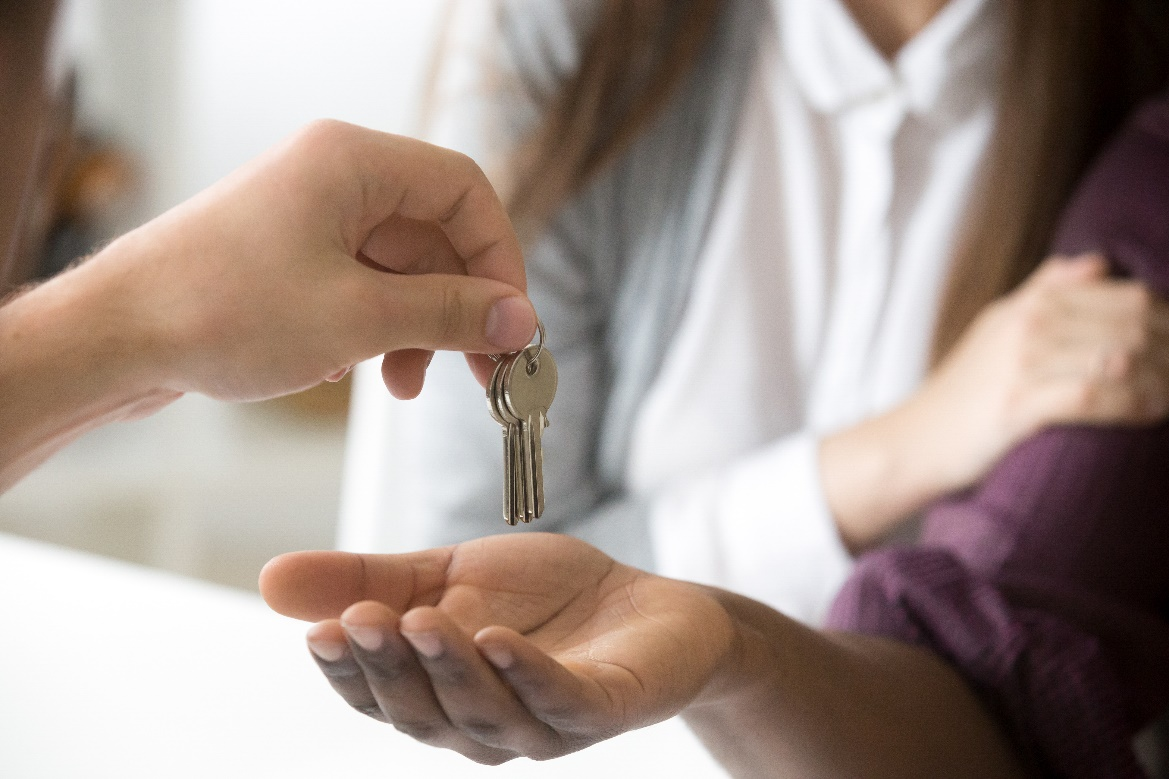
(182, 92)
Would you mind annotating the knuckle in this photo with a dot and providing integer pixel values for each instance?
(371, 710)
(419, 730)
(563, 714)
(1031, 316)
(1123, 363)
(386, 667)
(1140, 300)
(471, 177)
(454, 312)
(320, 135)
(451, 673)
(340, 671)
(1015, 406)
(1083, 398)
(1138, 340)
(482, 730)
(490, 758)
(322, 145)
(467, 167)
(562, 745)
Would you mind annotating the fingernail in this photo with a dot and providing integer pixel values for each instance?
(339, 375)
(368, 638)
(426, 644)
(499, 657)
(511, 323)
(329, 651)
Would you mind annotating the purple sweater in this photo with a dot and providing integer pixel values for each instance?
(1047, 586)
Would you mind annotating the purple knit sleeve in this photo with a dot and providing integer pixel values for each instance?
(1047, 586)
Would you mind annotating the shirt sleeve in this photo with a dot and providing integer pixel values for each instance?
(1047, 586)
(739, 525)
(429, 472)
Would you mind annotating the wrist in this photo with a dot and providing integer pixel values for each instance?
(749, 715)
(884, 470)
(71, 358)
(94, 313)
(748, 662)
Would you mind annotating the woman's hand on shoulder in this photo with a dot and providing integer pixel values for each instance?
(1069, 346)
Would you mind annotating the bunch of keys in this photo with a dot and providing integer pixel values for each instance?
(521, 390)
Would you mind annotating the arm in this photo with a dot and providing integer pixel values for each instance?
(1070, 346)
(1067, 348)
(1046, 585)
(540, 645)
(825, 704)
(266, 284)
(800, 503)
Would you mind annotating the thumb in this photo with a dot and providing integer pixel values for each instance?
(448, 312)
(320, 585)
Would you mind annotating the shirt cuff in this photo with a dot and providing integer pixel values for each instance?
(760, 526)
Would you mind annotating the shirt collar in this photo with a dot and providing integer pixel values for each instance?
(837, 67)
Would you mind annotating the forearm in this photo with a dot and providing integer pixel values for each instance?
(878, 473)
(790, 701)
(71, 359)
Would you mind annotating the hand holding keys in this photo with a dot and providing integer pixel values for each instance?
(519, 395)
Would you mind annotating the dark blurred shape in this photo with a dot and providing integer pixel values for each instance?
(97, 178)
(81, 180)
(24, 35)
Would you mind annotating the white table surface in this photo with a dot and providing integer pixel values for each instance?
(111, 670)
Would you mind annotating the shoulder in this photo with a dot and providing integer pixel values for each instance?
(497, 65)
(1119, 207)
(537, 41)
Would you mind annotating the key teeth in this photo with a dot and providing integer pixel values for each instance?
(523, 491)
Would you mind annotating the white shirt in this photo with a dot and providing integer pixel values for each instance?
(811, 308)
(815, 299)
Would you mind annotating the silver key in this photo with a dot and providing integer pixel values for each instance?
(514, 500)
(515, 450)
(529, 387)
(493, 398)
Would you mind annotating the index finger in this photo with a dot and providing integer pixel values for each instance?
(417, 180)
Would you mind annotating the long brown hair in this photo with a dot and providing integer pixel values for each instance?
(1072, 70)
(24, 40)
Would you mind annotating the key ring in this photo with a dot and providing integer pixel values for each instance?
(534, 362)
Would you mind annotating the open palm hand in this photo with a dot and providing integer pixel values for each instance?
(527, 645)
